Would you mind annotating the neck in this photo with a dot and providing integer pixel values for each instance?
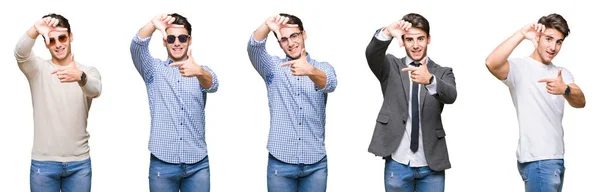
(61, 62)
(537, 57)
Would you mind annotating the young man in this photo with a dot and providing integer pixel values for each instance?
(177, 89)
(297, 87)
(409, 133)
(538, 89)
(62, 91)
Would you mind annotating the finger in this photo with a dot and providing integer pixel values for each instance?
(408, 26)
(176, 26)
(546, 80)
(288, 63)
(179, 64)
(543, 28)
(536, 27)
(277, 19)
(53, 22)
(409, 69)
(285, 20)
(55, 71)
(278, 34)
(290, 25)
(171, 20)
(46, 39)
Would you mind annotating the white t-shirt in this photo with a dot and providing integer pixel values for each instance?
(539, 113)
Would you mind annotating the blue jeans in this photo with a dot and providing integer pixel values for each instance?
(403, 178)
(284, 177)
(543, 175)
(167, 177)
(54, 176)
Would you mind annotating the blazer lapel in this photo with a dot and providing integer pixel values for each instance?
(404, 78)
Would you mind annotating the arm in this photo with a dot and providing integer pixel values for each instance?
(497, 62)
(576, 98)
(208, 80)
(257, 51)
(92, 86)
(324, 77)
(444, 87)
(375, 54)
(23, 52)
(140, 53)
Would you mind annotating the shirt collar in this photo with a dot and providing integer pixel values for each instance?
(409, 60)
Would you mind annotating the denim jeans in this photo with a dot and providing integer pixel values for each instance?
(403, 178)
(285, 177)
(543, 175)
(169, 177)
(52, 176)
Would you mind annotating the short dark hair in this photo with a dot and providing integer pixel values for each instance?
(62, 21)
(293, 20)
(555, 21)
(417, 21)
(181, 20)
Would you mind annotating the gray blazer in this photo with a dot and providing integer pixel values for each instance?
(391, 121)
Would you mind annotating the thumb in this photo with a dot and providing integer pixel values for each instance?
(176, 64)
(46, 38)
(560, 73)
(72, 63)
(189, 52)
(164, 33)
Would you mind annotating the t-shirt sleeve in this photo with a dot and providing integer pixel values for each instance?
(566, 76)
(512, 78)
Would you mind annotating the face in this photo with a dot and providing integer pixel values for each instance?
(415, 43)
(60, 44)
(292, 41)
(549, 44)
(177, 43)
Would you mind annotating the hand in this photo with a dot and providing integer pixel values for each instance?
(555, 86)
(419, 75)
(532, 32)
(188, 68)
(300, 66)
(162, 22)
(275, 23)
(46, 25)
(397, 29)
(69, 73)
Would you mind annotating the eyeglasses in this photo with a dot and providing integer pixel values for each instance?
(61, 38)
(293, 37)
(182, 38)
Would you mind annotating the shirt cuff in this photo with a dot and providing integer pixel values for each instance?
(381, 36)
(432, 88)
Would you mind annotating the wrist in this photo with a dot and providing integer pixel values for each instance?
(386, 32)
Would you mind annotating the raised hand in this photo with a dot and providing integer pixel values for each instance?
(532, 32)
(46, 25)
(69, 73)
(300, 66)
(189, 68)
(397, 29)
(419, 74)
(276, 22)
(555, 86)
(162, 22)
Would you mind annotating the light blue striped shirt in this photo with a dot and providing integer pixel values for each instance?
(176, 107)
(296, 104)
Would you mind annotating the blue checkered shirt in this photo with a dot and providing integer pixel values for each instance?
(296, 104)
(176, 107)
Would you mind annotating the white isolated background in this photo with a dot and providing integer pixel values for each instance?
(481, 126)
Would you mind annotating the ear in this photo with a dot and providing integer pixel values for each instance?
(70, 37)
(164, 43)
(304, 35)
(190, 41)
(428, 39)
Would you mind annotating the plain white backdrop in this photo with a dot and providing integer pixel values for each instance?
(481, 126)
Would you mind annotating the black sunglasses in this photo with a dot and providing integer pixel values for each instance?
(61, 38)
(182, 38)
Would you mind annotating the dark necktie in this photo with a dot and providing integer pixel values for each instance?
(414, 134)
